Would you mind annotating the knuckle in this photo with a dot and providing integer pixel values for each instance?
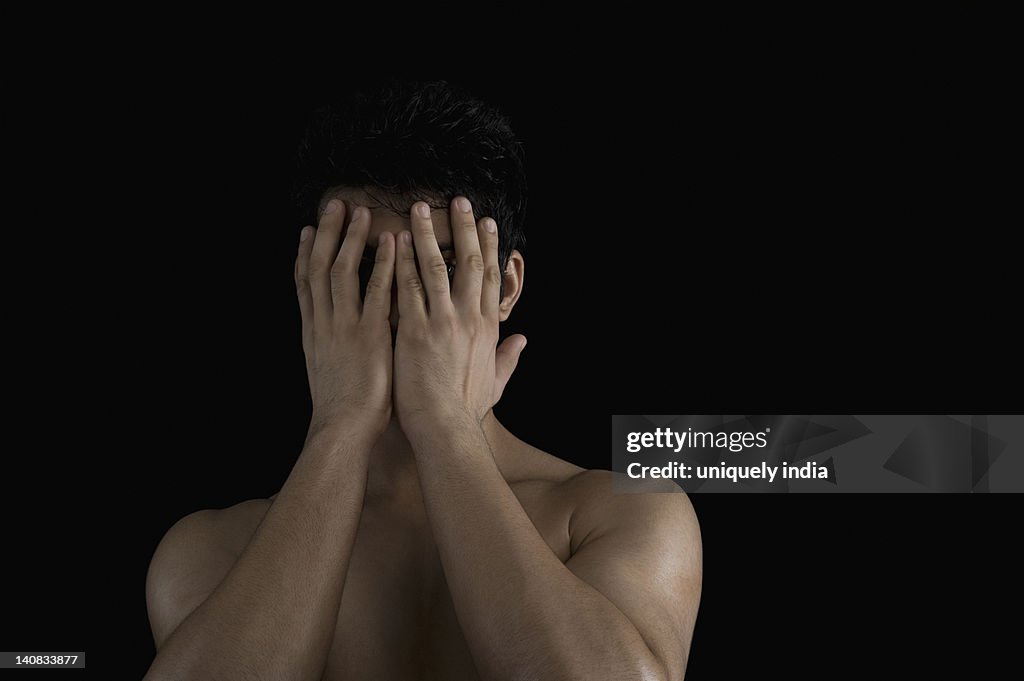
(493, 276)
(339, 268)
(438, 268)
(339, 283)
(475, 262)
(449, 326)
(317, 268)
(374, 287)
(413, 283)
(420, 333)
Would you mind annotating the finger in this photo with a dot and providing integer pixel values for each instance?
(377, 305)
(506, 358)
(412, 302)
(433, 270)
(325, 249)
(345, 271)
(469, 268)
(491, 284)
(302, 288)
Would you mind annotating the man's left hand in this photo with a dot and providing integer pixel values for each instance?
(446, 366)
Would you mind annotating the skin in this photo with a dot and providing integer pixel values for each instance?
(416, 537)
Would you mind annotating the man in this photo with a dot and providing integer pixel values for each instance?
(416, 537)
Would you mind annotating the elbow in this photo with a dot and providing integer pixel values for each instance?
(652, 670)
(647, 667)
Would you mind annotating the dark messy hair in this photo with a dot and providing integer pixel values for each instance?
(412, 142)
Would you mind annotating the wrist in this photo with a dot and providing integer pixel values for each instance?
(350, 432)
(440, 427)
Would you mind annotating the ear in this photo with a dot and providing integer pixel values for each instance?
(512, 284)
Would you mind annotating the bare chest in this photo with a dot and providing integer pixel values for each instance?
(397, 620)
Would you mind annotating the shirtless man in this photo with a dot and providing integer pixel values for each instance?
(416, 537)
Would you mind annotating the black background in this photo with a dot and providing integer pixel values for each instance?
(788, 240)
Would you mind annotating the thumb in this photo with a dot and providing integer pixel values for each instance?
(506, 357)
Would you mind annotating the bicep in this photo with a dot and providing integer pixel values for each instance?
(643, 553)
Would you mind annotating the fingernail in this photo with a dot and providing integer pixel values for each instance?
(490, 225)
(463, 204)
(304, 234)
(423, 210)
(357, 213)
(381, 239)
(332, 206)
(523, 344)
(406, 237)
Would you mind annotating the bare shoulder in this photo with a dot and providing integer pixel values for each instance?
(193, 557)
(600, 501)
(654, 515)
(605, 501)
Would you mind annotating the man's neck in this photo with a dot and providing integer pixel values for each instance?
(392, 472)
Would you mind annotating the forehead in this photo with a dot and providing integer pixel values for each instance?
(384, 218)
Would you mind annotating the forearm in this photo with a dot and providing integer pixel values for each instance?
(273, 615)
(522, 610)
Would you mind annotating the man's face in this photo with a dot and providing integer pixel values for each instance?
(386, 220)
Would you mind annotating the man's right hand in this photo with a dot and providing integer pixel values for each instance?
(225, 601)
(347, 341)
